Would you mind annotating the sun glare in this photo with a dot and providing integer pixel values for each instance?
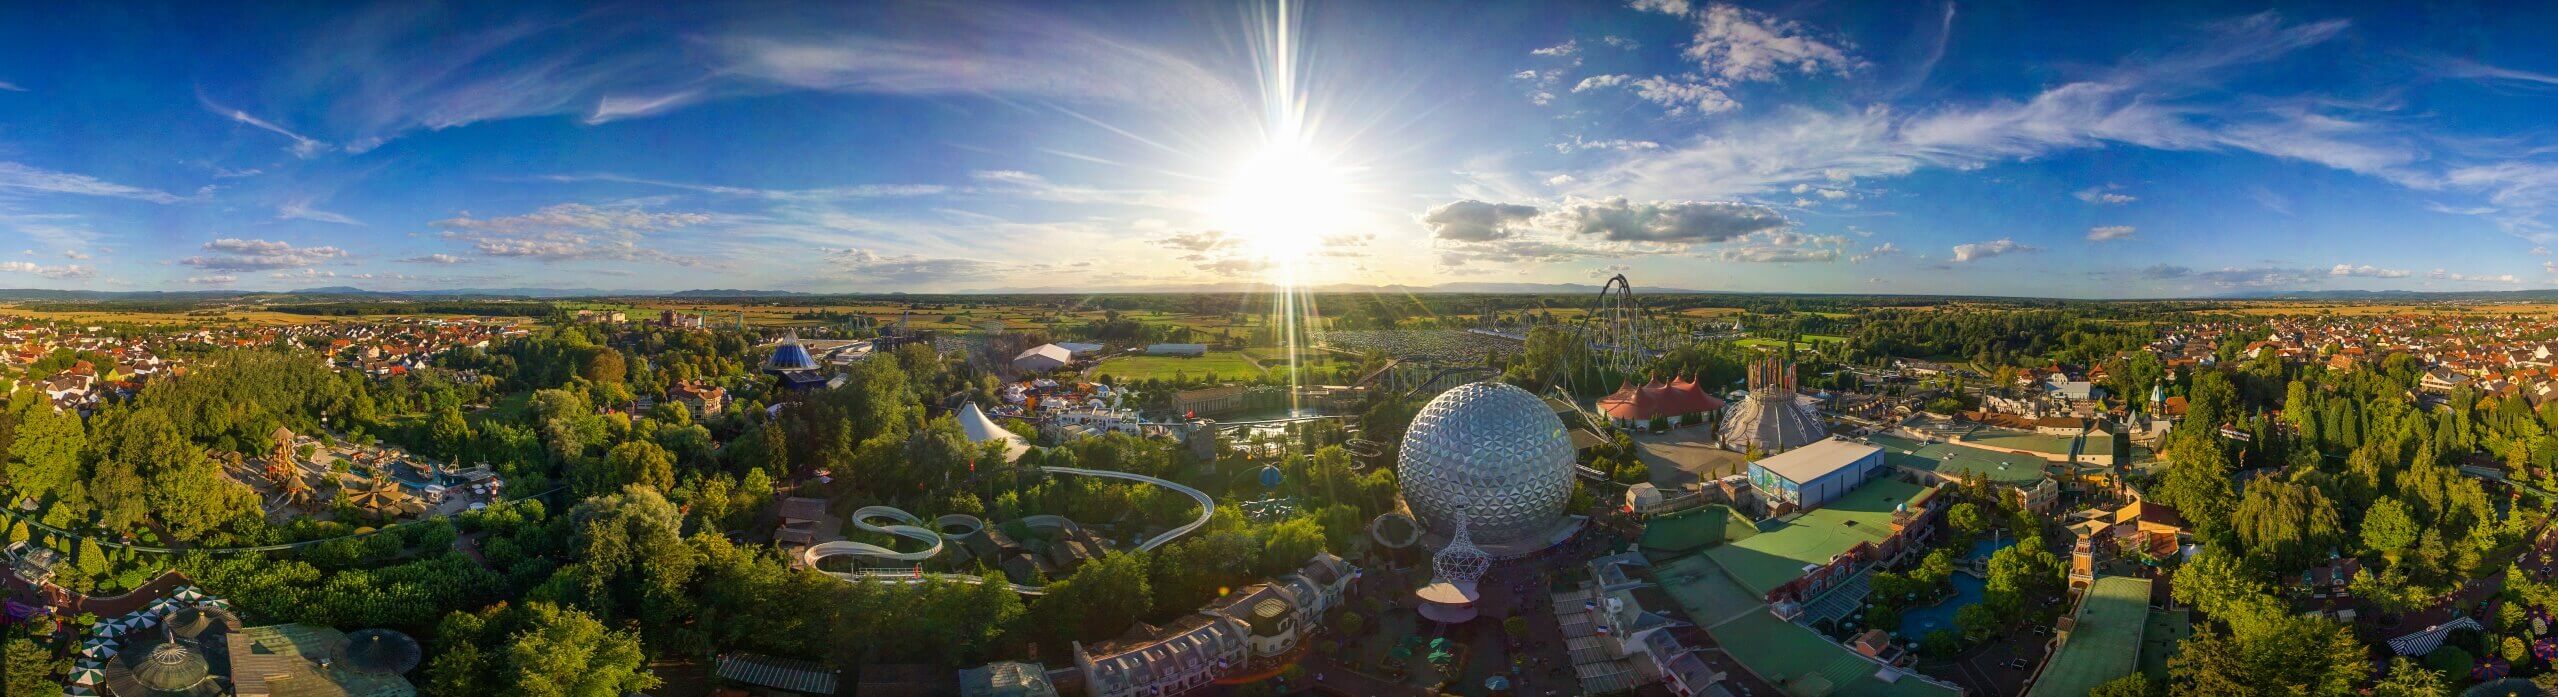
(1283, 200)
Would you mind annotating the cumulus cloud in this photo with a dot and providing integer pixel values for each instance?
(1982, 250)
(1744, 45)
(908, 269)
(1878, 251)
(1683, 96)
(64, 271)
(1621, 220)
(1784, 247)
(446, 259)
(1201, 241)
(570, 232)
(2105, 195)
(234, 254)
(2365, 271)
(1566, 49)
(2109, 233)
(1470, 220)
(1600, 82)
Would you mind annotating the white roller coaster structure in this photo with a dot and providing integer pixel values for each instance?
(908, 526)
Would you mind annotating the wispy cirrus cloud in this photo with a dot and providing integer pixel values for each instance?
(21, 177)
(303, 146)
(2109, 233)
(571, 232)
(831, 193)
(397, 69)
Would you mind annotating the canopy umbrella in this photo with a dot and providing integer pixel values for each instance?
(107, 628)
(218, 604)
(99, 650)
(2490, 669)
(87, 676)
(189, 594)
(141, 618)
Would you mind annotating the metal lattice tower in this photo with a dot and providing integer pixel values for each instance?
(1617, 329)
(1461, 562)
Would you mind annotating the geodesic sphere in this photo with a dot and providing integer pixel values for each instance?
(1494, 449)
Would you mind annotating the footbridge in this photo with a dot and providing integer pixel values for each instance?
(896, 522)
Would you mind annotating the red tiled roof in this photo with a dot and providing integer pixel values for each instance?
(1658, 399)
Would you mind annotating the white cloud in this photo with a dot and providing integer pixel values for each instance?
(24, 178)
(2109, 233)
(570, 232)
(1577, 144)
(853, 192)
(1667, 7)
(442, 259)
(1878, 251)
(2441, 275)
(1559, 180)
(75, 255)
(65, 271)
(1597, 82)
(1743, 45)
(1476, 221)
(1684, 97)
(1975, 251)
(2365, 271)
(11, 87)
(1567, 49)
(2152, 102)
(300, 209)
(233, 254)
(1621, 220)
(2105, 195)
(1614, 41)
(303, 147)
(213, 280)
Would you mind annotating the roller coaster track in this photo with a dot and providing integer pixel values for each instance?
(907, 525)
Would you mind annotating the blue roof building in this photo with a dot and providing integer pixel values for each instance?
(791, 363)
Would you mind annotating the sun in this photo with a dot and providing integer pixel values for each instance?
(1282, 201)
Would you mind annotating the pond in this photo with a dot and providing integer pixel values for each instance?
(1917, 622)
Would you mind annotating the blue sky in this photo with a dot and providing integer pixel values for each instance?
(2085, 150)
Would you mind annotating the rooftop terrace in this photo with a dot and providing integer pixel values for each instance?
(2105, 641)
(2012, 469)
(1778, 553)
(1783, 653)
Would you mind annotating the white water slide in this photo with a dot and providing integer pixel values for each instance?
(906, 525)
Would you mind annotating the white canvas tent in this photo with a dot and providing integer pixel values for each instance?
(981, 428)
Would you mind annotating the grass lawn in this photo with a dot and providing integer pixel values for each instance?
(1224, 364)
(1809, 341)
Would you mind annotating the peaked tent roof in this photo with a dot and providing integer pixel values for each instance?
(981, 428)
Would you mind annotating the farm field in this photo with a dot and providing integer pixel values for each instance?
(1809, 341)
(1223, 364)
(205, 317)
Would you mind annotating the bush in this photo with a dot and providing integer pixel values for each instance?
(2451, 660)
